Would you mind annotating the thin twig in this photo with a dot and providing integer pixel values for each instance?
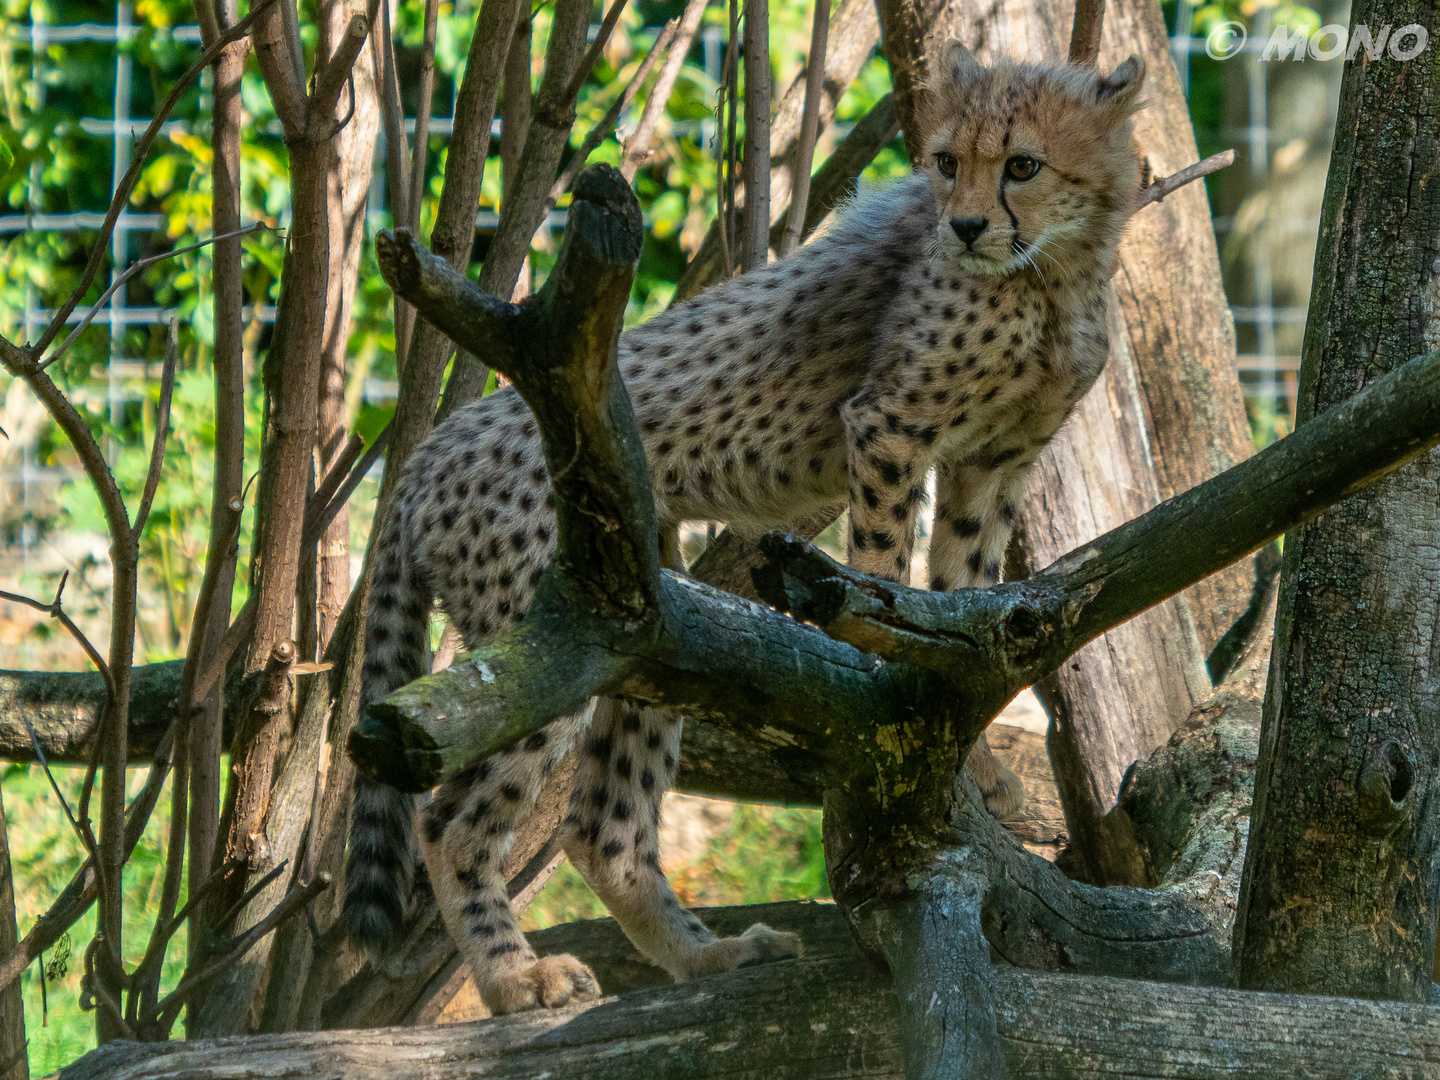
(1157, 189)
(319, 519)
(809, 130)
(135, 268)
(80, 892)
(162, 428)
(637, 146)
(251, 892)
(137, 162)
(392, 117)
(338, 471)
(44, 764)
(755, 251)
(420, 147)
(56, 611)
(601, 131)
(592, 54)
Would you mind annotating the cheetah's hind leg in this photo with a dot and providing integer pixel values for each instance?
(611, 837)
(465, 833)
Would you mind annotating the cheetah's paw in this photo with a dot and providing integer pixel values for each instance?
(758, 945)
(549, 983)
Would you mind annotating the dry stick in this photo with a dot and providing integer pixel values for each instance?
(637, 146)
(131, 271)
(127, 183)
(420, 147)
(1157, 189)
(1085, 32)
(162, 428)
(756, 249)
(167, 1010)
(592, 54)
(601, 131)
(809, 130)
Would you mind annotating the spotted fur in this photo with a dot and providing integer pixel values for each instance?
(950, 320)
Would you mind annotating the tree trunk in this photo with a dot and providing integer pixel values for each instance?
(1120, 697)
(1178, 326)
(1340, 885)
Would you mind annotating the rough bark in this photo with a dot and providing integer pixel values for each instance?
(1120, 697)
(64, 708)
(1178, 326)
(1343, 873)
(827, 1015)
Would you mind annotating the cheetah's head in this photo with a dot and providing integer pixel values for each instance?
(1031, 164)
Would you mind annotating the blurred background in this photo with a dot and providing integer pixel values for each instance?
(79, 79)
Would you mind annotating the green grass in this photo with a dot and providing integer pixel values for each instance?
(45, 854)
(764, 853)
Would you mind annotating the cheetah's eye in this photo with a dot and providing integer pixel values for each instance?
(1021, 167)
(947, 165)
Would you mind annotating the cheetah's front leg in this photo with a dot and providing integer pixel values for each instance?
(887, 466)
(974, 514)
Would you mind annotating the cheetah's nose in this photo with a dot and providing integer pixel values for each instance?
(968, 229)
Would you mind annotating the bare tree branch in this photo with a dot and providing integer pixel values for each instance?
(809, 130)
(637, 145)
(162, 428)
(1085, 32)
(1158, 188)
(755, 249)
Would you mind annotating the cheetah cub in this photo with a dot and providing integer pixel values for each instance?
(949, 320)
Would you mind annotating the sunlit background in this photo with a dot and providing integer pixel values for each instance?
(79, 79)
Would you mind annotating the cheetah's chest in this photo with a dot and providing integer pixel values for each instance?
(973, 353)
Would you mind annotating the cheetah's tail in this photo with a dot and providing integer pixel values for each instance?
(381, 863)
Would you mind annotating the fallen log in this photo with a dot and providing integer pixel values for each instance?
(829, 1014)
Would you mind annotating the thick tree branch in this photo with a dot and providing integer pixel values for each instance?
(1036, 624)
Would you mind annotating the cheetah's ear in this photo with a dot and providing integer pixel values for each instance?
(957, 64)
(1121, 87)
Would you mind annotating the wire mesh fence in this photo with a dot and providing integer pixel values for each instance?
(1266, 208)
